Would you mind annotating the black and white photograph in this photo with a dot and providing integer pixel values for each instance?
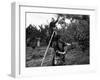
(56, 39)
(53, 40)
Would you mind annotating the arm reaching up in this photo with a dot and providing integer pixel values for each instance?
(57, 20)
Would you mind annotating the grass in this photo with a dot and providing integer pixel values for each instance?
(73, 57)
(34, 57)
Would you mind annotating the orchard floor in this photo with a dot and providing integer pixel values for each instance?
(73, 57)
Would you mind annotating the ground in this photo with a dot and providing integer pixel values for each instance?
(73, 57)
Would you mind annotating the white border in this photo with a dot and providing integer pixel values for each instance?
(19, 68)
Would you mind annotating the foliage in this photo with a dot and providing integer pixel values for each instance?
(76, 31)
(32, 33)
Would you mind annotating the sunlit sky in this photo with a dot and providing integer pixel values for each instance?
(39, 18)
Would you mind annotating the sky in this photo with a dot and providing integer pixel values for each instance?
(41, 18)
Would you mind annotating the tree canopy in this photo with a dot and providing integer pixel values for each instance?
(76, 31)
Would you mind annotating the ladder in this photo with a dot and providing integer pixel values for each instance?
(47, 49)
